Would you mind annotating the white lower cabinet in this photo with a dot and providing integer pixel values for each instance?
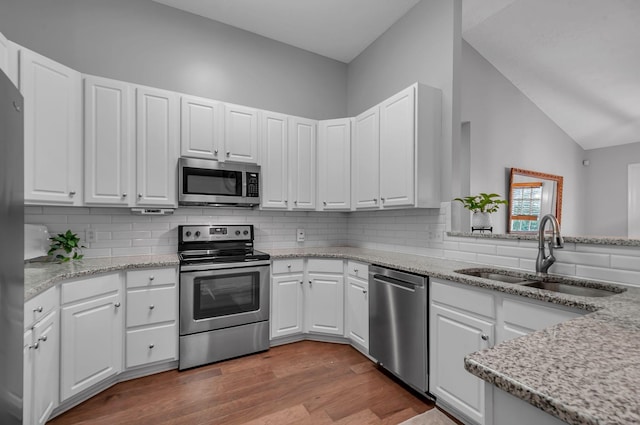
(459, 326)
(357, 304)
(41, 359)
(152, 316)
(307, 296)
(92, 332)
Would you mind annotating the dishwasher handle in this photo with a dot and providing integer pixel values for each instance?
(396, 282)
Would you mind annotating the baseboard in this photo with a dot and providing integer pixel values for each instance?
(454, 412)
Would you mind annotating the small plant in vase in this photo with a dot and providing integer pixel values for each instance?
(482, 205)
(68, 242)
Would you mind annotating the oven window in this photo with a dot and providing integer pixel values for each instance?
(212, 182)
(223, 295)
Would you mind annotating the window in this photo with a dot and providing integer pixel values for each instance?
(526, 202)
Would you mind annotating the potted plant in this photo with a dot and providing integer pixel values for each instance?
(482, 205)
(68, 242)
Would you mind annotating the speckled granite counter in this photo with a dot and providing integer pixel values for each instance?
(584, 371)
(40, 276)
(591, 240)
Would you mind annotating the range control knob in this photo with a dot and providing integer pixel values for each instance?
(246, 232)
(198, 234)
(237, 232)
(188, 233)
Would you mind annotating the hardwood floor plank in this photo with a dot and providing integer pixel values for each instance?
(302, 383)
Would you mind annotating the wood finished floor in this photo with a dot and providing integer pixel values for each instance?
(301, 383)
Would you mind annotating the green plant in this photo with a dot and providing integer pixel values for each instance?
(68, 242)
(482, 202)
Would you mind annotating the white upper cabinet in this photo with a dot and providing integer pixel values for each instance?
(274, 144)
(397, 147)
(240, 134)
(334, 164)
(157, 147)
(52, 130)
(108, 141)
(365, 170)
(302, 162)
(4, 54)
(201, 129)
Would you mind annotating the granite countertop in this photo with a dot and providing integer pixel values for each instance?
(583, 371)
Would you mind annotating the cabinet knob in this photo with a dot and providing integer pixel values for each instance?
(355, 271)
(124, 195)
(310, 283)
(215, 152)
(38, 309)
(382, 199)
(485, 337)
(34, 346)
(151, 346)
(116, 305)
(324, 203)
(228, 154)
(42, 338)
(17, 107)
(286, 202)
(152, 277)
(288, 266)
(301, 282)
(139, 195)
(364, 291)
(295, 202)
(72, 193)
(375, 200)
(151, 307)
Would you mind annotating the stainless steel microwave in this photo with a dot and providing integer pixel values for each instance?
(204, 182)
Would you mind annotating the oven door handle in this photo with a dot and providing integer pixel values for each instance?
(223, 266)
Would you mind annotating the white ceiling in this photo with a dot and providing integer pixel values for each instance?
(578, 60)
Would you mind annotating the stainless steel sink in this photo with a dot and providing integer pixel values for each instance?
(565, 288)
(547, 283)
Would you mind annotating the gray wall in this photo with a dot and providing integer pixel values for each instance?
(606, 183)
(144, 42)
(508, 130)
(422, 46)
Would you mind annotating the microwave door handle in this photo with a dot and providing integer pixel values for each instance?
(245, 177)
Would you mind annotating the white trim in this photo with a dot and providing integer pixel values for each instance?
(633, 193)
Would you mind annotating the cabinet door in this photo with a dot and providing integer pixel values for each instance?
(397, 149)
(275, 167)
(325, 304)
(358, 311)
(240, 134)
(92, 335)
(453, 335)
(52, 130)
(157, 149)
(334, 164)
(286, 305)
(46, 368)
(108, 141)
(201, 129)
(366, 160)
(6, 58)
(302, 163)
(28, 357)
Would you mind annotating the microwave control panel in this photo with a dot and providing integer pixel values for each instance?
(253, 185)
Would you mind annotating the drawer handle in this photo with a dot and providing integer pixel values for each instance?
(151, 346)
(151, 307)
(485, 337)
(38, 309)
(35, 346)
(42, 338)
(116, 305)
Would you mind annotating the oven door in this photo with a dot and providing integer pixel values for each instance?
(224, 297)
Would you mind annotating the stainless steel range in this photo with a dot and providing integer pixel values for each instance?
(224, 294)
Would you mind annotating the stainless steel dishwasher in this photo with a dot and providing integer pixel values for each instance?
(398, 327)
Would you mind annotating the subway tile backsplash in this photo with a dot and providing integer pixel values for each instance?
(414, 231)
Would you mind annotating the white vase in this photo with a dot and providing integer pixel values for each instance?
(481, 220)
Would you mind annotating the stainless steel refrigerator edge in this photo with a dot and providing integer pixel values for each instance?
(398, 324)
(11, 251)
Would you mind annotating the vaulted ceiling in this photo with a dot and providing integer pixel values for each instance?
(577, 60)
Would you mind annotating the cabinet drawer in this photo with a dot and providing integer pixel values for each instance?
(357, 269)
(152, 345)
(471, 300)
(532, 316)
(321, 265)
(90, 288)
(151, 305)
(293, 265)
(151, 277)
(38, 307)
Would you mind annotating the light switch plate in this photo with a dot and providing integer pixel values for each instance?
(300, 235)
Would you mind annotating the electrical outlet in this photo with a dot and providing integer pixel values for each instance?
(90, 235)
(300, 235)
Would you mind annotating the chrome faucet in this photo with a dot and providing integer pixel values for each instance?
(543, 262)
